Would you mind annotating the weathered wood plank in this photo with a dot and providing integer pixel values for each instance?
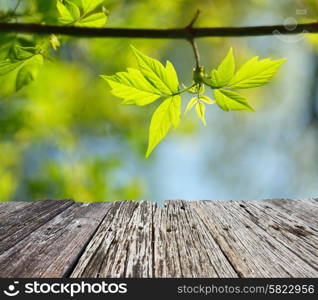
(106, 254)
(312, 201)
(20, 223)
(292, 233)
(9, 207)
(52, 249)
(301, 209)
(273, 238)
(252, 251)
(182, 246)
(142, 240)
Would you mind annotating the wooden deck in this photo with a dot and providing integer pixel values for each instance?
(271, 238)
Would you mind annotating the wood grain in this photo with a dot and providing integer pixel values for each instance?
(252, 251)
(183, 247)
(298, 209)
(9, 207)
(142, 240)
(271, 238)
(52, 249)
(292, 233)
(20, 223)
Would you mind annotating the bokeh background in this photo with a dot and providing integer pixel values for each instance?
(66, 136)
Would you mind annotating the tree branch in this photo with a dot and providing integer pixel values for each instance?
(191, 39)
(177, 33)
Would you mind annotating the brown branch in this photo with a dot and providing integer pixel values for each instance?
(177, 33)
(191, 39)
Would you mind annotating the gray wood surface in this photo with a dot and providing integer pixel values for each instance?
(19, 223)
(52, 249)
(270, 238)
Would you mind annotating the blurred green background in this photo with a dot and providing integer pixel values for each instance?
(66, 136)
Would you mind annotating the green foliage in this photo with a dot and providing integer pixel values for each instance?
(29, 71)
(133, 87)
(146, 85)
(163, 78)
(154, 81)
(255, 73)
(200, 110)
(24, 57)
(229, 100)
(82, 14)
(25, 62)
(224, 73)
(167, 114)
(63, 137)
(199, 103)
(69, 12)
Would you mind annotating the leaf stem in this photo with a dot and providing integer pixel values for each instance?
(192, 41)
(185, 90)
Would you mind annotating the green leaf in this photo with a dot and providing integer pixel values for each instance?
(191, 103)
(175, 110)
(54, 41)
(94, 20)
(68, 12)
(172, 77)
(167, 114)
(90, 5)
(229, 100)
(21, 53)
(163, 78)
(29, 71)
(200, 110)
(132, 87)
(222, 76)
(206, 99)
(8, 66)
(255, 73)
(197, 89)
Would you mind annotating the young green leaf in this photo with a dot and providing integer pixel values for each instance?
(68, 12)
(29, 71)
(90, 5)
(65, 15)
(54, 41)
(229, 100)
(222, 76)
(172, 77)
(20, 53)
(200, 110)
(197, 89)
(191, 103)
(206, 99)
(94, 20)
(167, 114)
(8, 66)
(255, 73)
(163, 78)
(132, 87)
(175, 110)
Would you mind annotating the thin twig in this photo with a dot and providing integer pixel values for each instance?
(196, 54)
(195, 18)
(175, 33)
(192, 41)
